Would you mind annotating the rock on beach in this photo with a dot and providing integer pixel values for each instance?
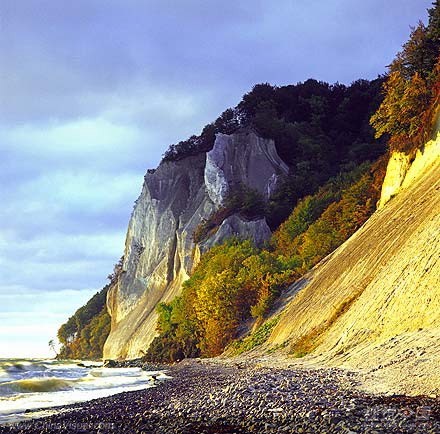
(211, 397)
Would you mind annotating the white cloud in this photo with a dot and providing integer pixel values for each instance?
(53, 274)
(30, 319)
(79, 139)
(55, 247)
(81, 190)
(53, 303)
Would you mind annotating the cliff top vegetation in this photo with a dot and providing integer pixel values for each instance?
(412, 90)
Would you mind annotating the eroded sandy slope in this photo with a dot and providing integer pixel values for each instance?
(374, 304)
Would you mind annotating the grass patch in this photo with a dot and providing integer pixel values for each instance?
(259, 337)
(278, 347)
(308, 342)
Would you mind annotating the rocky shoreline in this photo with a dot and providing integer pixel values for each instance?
(210, 397)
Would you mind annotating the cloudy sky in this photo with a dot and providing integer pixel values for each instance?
(93, 91)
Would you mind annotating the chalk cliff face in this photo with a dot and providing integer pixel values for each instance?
(402, 171)
(160, 252)
(242, 158)
(374, 303)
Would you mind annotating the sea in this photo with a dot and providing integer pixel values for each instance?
(31, 388)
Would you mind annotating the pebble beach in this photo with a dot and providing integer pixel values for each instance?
(237, 397)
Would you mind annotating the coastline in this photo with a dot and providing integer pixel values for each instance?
(221, 396)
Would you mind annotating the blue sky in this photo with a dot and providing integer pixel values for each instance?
(93, 91)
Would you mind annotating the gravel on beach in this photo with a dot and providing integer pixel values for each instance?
(207, 397)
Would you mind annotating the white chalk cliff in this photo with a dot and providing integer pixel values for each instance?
(160, 252)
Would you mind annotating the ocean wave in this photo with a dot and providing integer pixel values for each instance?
(116, 372)
(28, 387)
(35, 385)
(21, 366)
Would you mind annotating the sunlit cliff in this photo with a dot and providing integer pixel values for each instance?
(374, 303)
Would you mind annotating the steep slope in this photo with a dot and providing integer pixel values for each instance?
(374, 303)
(160, 252)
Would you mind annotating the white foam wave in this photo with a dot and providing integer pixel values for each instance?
(65, 383)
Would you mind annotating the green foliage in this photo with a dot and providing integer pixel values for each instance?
(177, 327)
(83, 335)
(242, 200)
(412, 90)
(339, 221)
(232, 282)
(318, 130)
(307, 120)
(74, 325)
(246, 202)
(256, 339)
(209, 226)
(401, 115)
(310, 208)
(164, 310)
(67, 332)
(88, 341)
(220, 301)
(312, 123)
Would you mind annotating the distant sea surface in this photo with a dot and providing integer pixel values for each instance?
(30, 387)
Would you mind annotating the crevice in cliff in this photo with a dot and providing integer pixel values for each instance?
(172, 265)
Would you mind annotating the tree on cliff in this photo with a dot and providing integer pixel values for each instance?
(51, 344)
(83, 335)
(411, 91)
